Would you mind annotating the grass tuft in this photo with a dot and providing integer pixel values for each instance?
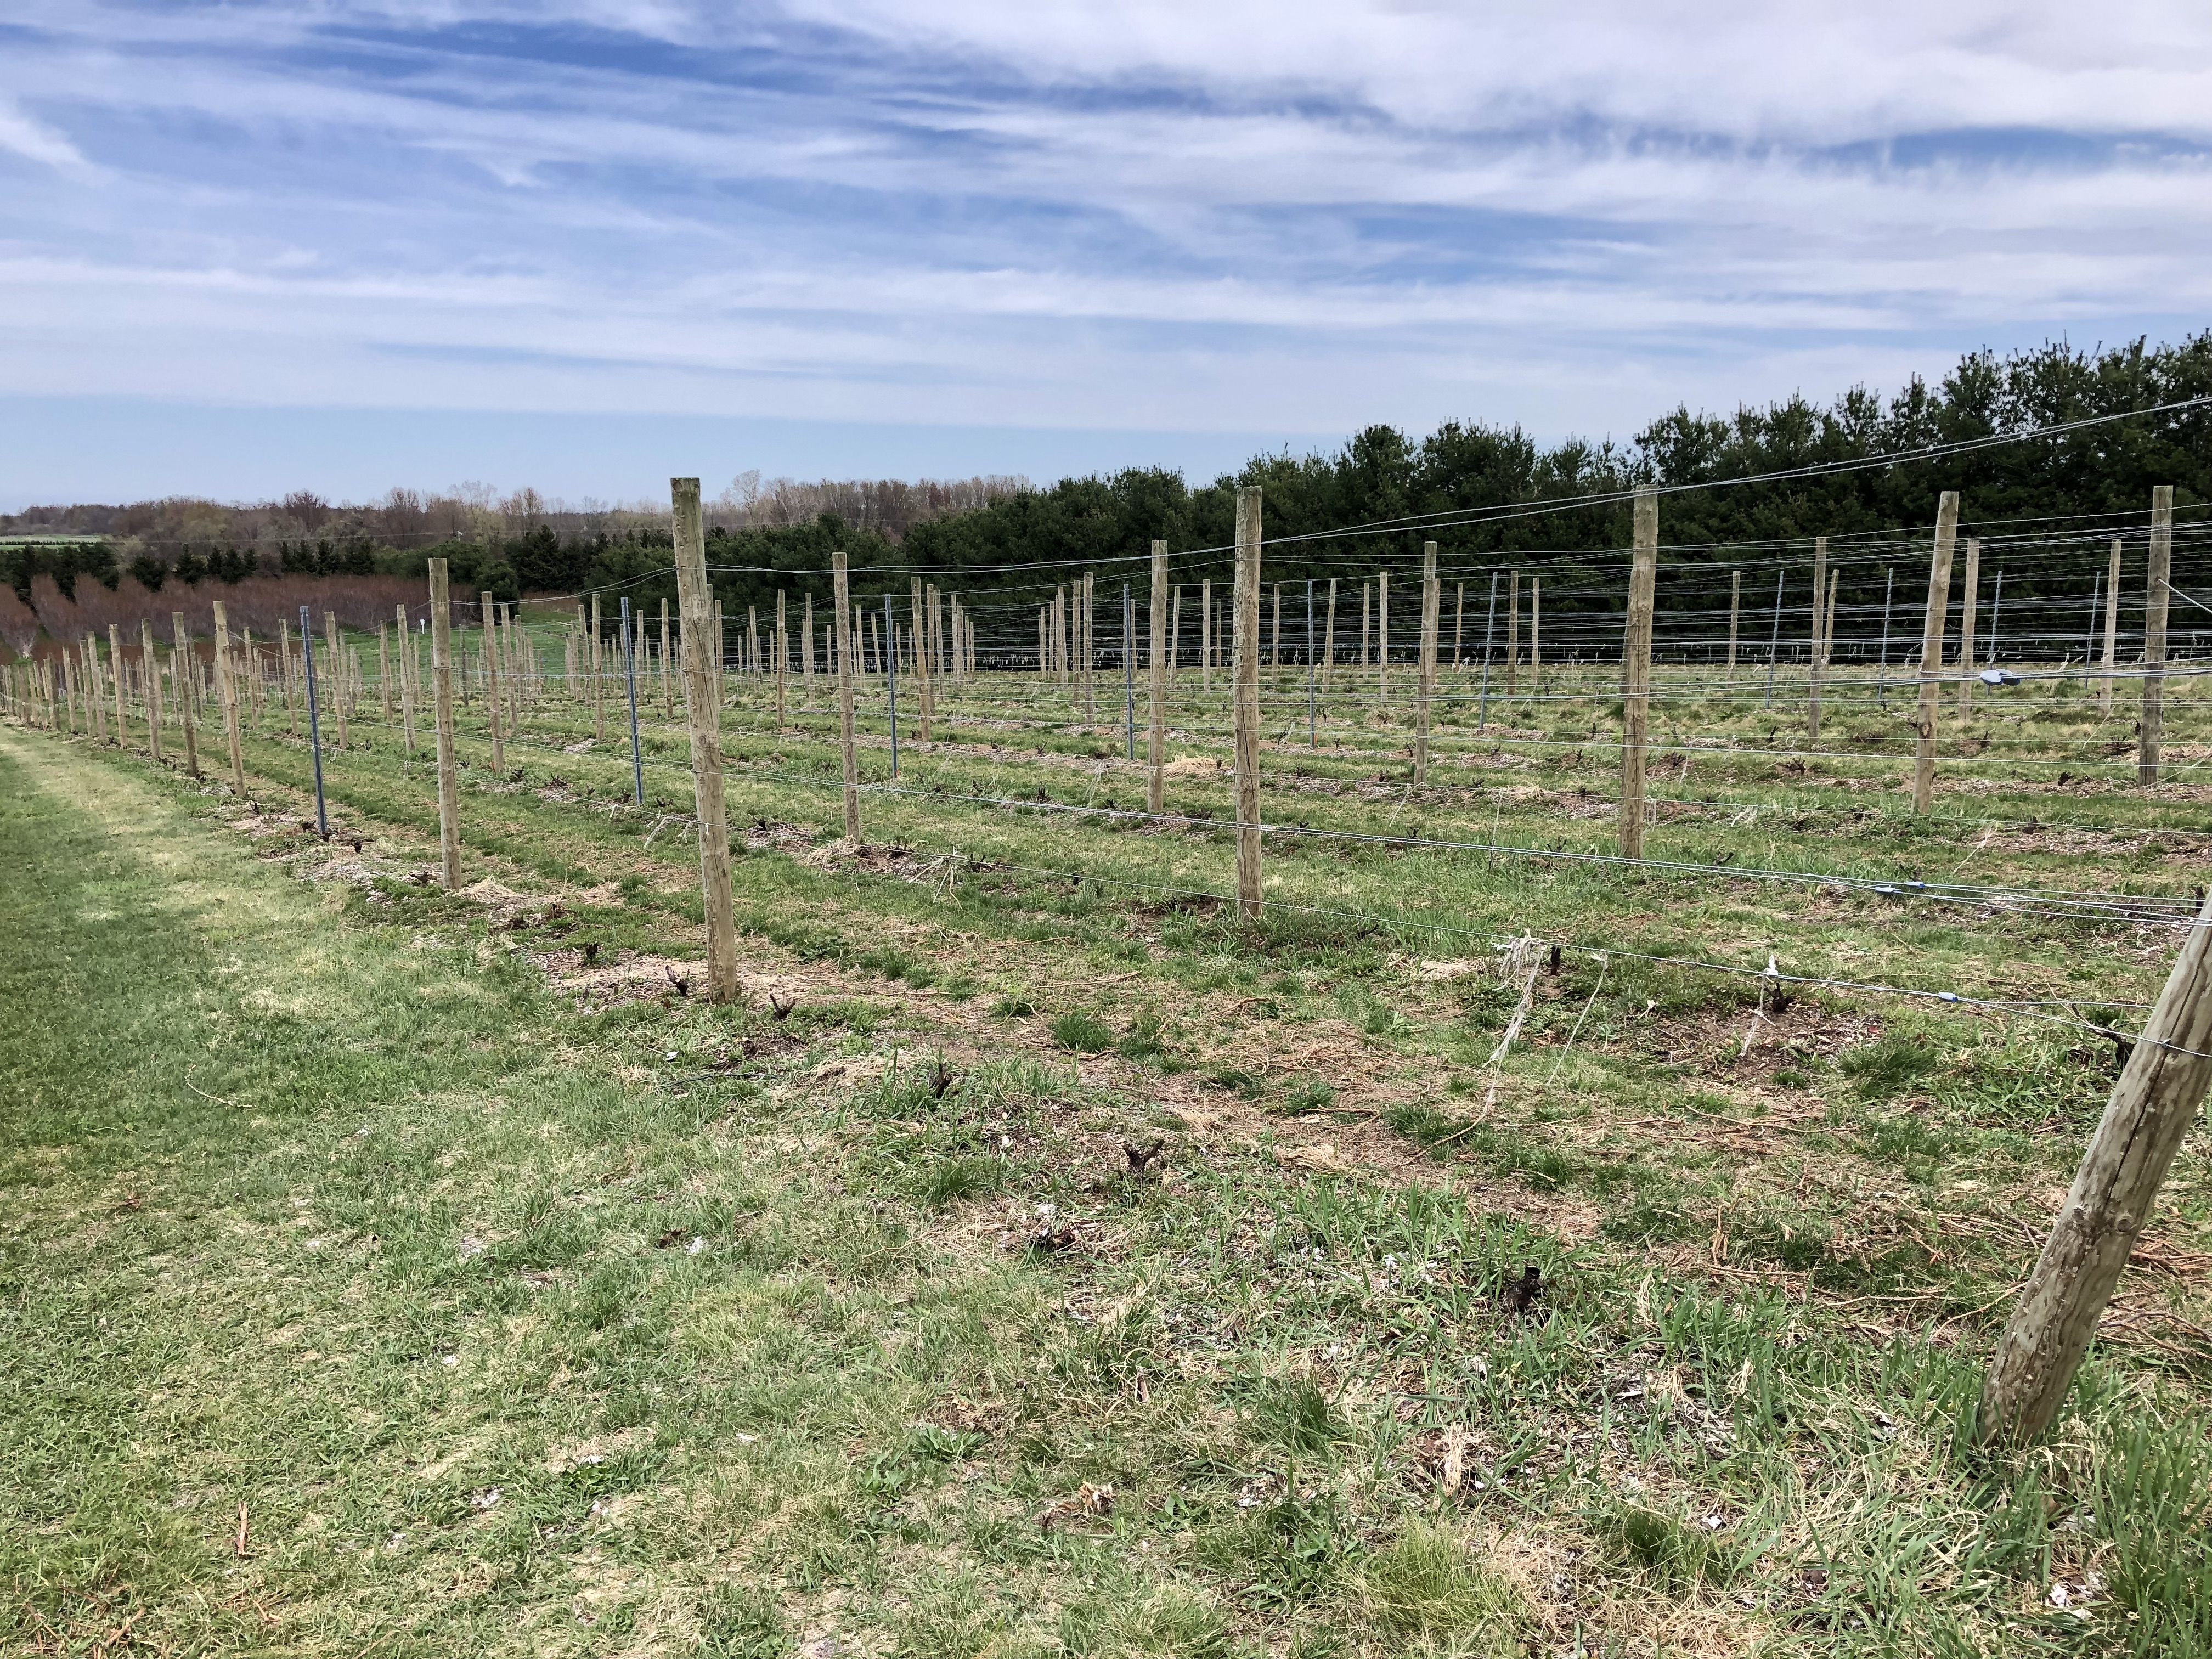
(1889, 1065)
(1086, 1033)
(1424, 1587)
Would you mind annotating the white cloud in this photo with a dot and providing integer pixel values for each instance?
(22, 136)
(1233, 215)
(1808, 72)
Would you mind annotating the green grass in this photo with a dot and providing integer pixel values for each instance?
(1426, 1588)
(1085, 1032)
(1771, 1278)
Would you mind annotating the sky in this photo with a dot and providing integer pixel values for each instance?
(583, 244)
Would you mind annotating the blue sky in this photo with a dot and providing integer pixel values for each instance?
(583, 244)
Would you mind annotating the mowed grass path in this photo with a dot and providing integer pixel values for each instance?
(300, 1218)
(506, 1327)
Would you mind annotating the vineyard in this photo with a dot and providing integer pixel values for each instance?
(1590, 1055)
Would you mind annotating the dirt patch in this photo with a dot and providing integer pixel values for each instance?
(1192, 766)
(1460, 968)
(1714, 1041)
(596, 1449)
(632, 975)
(876, 858)
(762, 835)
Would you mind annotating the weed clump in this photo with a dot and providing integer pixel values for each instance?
(1084, 1033)
(741, 1621)
(1425, 1587)
(1889, 1065)
(1143, 1041)
(1673, 1554)
(1166, 1621)
(1297, 1416)
(949, 1180)
(1238, 1081)
(1287, 1552)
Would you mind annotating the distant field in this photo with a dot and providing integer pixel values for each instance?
(530, 1305)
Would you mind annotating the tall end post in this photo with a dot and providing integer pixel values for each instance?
(702, 703)
(1636, 672)
(1247, 703)
(1931, 649)
(441, 695)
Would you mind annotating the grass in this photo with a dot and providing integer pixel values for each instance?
(1427, 1588)
(753, 1338)
(1086, 1033)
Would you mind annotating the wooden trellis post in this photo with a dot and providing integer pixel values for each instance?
(491, 665)
(1328, 639)
(667, 690)
(1156, 750)
(596, 662)
(441, 694)
(1512, 629)
(1814, 657)
(2155, 599)
(1931, 649)
(2151, 1107)
(1206, 635)
(150, 672)
(1735, 611)
(337, 671)
(1247, 697)
(184, 672)
(1088, 644)
(1536, 634)
(807, 649)
(226, 684)
(703, 704)
(1969, 603)
(1635, 671)
(1426, 685)
(1382, 638)
(780, 647)
(95, 698)
(2111, 634)
(284, 655)
(406, 679)
(845, 636)
(115, 665)
(921, 665)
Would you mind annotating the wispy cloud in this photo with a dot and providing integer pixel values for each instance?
(34, 141)
(1136, 214)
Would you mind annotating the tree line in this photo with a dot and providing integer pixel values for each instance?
(1489, 495)
(1492, 495)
